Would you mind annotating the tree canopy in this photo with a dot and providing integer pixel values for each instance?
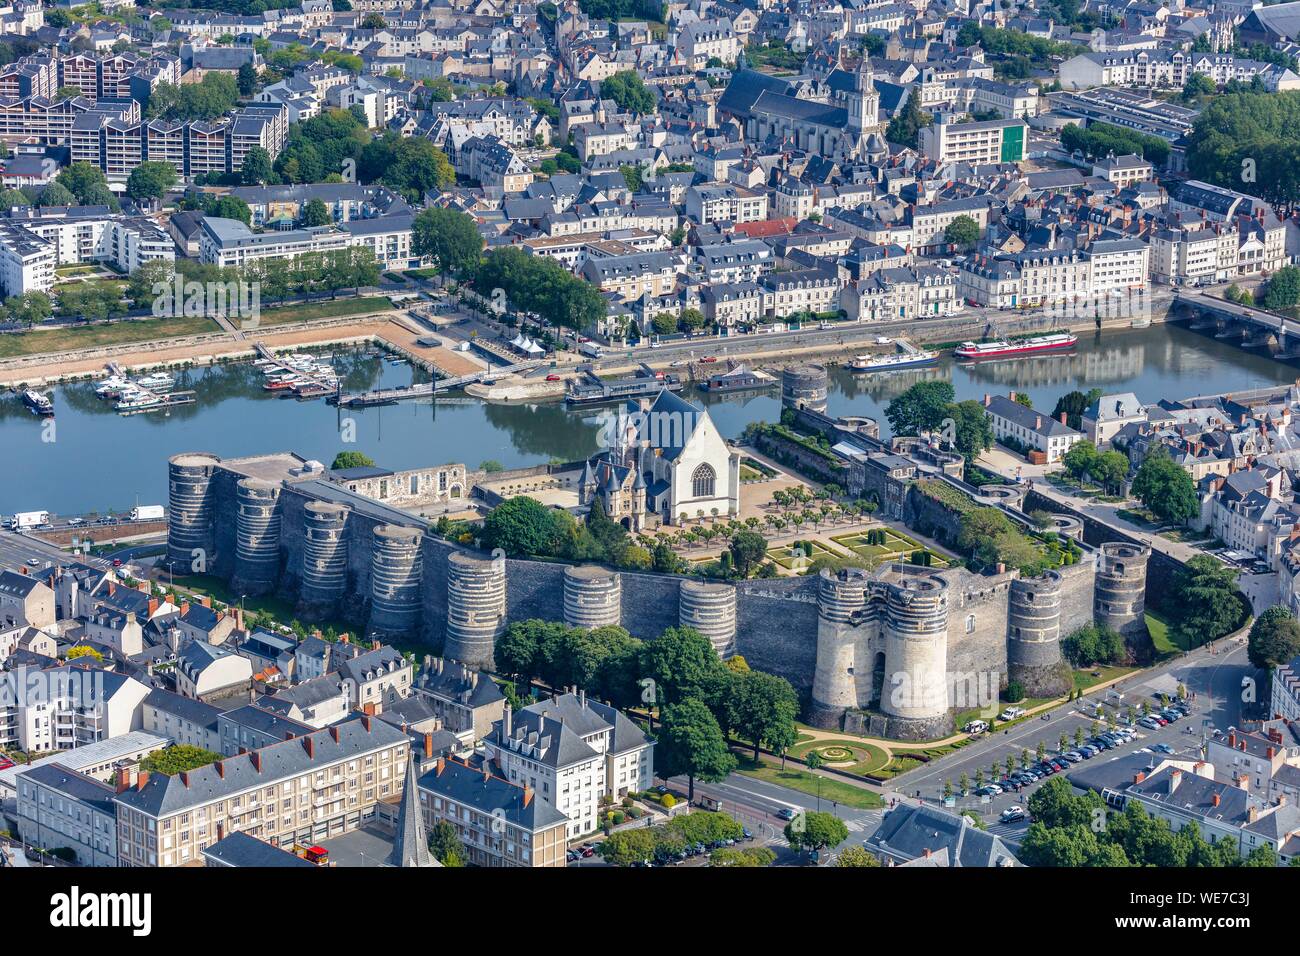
(1166, 488)
(923, 407)
(1274, 638)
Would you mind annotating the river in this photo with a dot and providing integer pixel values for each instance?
(95, 459)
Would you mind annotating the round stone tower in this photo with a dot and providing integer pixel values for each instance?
(1011, 495)
(1034, 636)
(476, 608)
(845, 624)
(593, 596)
(190, 542)
(1120, 592)
(395, 573)
(804, 386)
(1067, 526)
(324, 559)
(710, 608)
(257, 536)
(915, 693)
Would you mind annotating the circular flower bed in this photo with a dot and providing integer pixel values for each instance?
(835, 754)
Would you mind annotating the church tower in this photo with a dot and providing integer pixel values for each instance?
(863, 103)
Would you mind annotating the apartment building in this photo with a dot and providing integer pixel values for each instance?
(719, 202)
(26, 261)
(228, 242)
(371, 677)
(303, 790)
(60, 708)
(901, 293)
(24, 599)
(1029, 428)
(740, 260)
(465, 701)
(1124, 170)
(499, 822)
(183, 720)
(59, 808)
(990, 141)
(632, 276)
(572, 751)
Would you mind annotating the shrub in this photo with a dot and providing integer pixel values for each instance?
(617, 817)
(1015, 692)
(668, 801)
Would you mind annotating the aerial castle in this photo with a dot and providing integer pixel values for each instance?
(895, 651)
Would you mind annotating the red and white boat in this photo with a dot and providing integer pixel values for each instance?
(1042, 343)
(278, 383)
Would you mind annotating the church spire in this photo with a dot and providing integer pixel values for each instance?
(411, 845)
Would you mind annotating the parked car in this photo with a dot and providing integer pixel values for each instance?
(1073, 756)
(1011, 713)
(1012, 814)
(1162, 748)
(787, 813)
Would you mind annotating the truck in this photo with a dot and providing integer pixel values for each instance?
(147, 513)
(28, 519)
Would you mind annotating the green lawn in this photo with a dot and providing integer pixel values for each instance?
(420, 273)
(1164, 643)
(798, 779)
(865, 758)
(1084, 679)
(36, 341)
(75, 270)
(749, 474)
(325, 309)
(782, 555)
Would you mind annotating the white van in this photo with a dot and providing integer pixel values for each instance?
(975, 727)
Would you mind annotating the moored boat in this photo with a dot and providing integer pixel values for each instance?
(888, 363)
(1003, 348)
(37, 403)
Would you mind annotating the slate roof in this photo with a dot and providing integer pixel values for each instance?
(488, 793)
(908, 831)
(240, 849)
(162, 794)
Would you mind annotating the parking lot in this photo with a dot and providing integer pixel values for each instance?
(1177, 738)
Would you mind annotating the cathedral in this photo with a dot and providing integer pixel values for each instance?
(666, 464)
(836, 116)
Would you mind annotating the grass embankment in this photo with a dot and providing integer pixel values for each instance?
(805, 782)
(37, 341)
(331, 309)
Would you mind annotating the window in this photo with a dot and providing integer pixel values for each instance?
(702, 482)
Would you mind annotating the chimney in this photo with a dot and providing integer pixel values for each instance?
(239, 618)
(368, 708)
(365, 722)
(1252, 814)
(185, 779)
(582, 698)
(334, 733)
(221, 832)
(309, 745)
(428, 746)
(440, 766)
(185, 606)
(1038, 422)
(1062, 417)
(141, 779)
(1232, 740)
(257, 760)
(123, 779)
(1216, 799)
(506, 721)
(1269, 752)
(528, 795)
(111, 587)
(927, 852)
(1139, 776)
(153, 606)
(988, 399)
(221, 769)
(206, 601)
(1175, 778)
(345, 638)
